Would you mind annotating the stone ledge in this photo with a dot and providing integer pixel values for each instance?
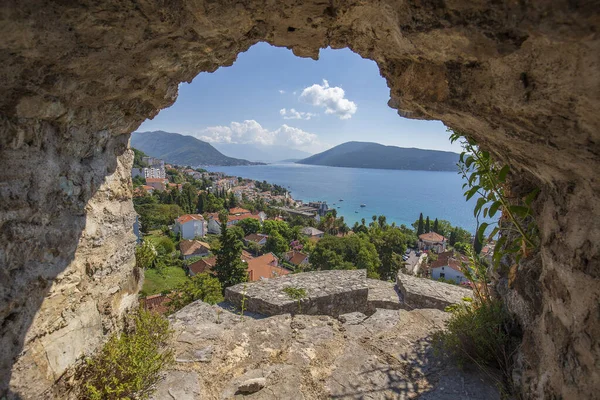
(328, 293)
(426, 293)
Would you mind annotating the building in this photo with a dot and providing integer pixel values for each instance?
(214, 225)
(449, 266)
(265, 267)
(202, 266)
(158, 303)
(157, 183)
(297, 258)
(190, 226)
(258, 238)
(238, 211)
(312, 233)
(432, 241)
(193, 248)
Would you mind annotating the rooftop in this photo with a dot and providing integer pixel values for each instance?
(432, 237)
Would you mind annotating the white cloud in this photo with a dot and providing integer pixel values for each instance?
(330, 98)
(293, 114)
(251, 132)
(281, 91)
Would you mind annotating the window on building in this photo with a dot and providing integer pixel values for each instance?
(442, 275)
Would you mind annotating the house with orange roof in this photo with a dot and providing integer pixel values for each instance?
(190, 226)
(258, 238)
(158, 303)
(265, 267)
(449, 268)
(432, 241)
(193, 248)
(157, 183)
(214, 225)
(202, 266)
(296, 258)
(238, 211)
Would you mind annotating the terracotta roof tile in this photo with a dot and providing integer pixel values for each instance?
(432, 237)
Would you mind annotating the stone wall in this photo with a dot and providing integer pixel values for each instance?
(522, 78)
(426, 293)
(327, 293)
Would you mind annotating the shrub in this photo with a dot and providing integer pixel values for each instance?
(165, 246)
(129, 364)
(203, 287)
(478, 333)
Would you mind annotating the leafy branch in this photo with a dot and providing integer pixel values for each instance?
(488, 179)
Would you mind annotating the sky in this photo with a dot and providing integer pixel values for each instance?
(269, 96)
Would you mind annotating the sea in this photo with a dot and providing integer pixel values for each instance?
(398, 194)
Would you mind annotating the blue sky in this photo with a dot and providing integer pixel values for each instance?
(269, 96)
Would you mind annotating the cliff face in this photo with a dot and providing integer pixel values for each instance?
(523, 79)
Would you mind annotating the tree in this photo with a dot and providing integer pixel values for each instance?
(276, 244)
(165, 246)
(421, 228)
(229, 267)
(249, 225)
(382, 221)
(232, 200)
(200, 287)
(436, 226)
(452, 239)
(477, 245)
(145, 254)
(427, 225)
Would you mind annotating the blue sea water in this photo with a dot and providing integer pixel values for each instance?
(399, 195)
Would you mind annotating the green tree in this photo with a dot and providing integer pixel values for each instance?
(276, 244)
(421, 227)
(145, 255)
(200, 287)
(427, 225)
(436, 228)
(165, 246)
(452, 239)
(229, 267)
(249, 225)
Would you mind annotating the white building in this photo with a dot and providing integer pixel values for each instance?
(448, 266)
(432, 241)
(190, 226)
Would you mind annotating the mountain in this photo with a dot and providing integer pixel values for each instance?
(181, 149)
(257, 152)
(374, 155)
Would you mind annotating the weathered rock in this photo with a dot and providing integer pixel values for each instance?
(382, 295)
(327, 293)
(522, 78)
(386, 355)
(179, 385)
(251, 386)
(426, 293)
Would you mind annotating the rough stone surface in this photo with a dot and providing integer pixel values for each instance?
(327, 293)
(384, 356)
(426, 293)
(522, 78)
(382, 295)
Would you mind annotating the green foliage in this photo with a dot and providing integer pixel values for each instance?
(165, 279)
(154, 215)
(249, 225)
(137, 158)
(138, 181)
(145, 255)
(461, 247)
(164, 246)
(276, 243)
(333, 252)
(295, 293)
(421, 226)
(129, 364)
(270, 227)
(203, 287)
(488, 179)
(229, 267)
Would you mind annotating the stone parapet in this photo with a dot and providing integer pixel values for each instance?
(426, 293)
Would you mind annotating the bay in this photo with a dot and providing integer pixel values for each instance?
(398, 194)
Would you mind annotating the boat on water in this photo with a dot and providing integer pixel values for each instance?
(355, 212)
(341, 200)
(363, 205)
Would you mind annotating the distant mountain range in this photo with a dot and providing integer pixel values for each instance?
(373, 155)
(258, 152)
(181, 149)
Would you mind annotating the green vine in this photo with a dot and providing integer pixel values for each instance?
(488, 179)
(296, 294)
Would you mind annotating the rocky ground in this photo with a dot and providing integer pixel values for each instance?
(222, 355)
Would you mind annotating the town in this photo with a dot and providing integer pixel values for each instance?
(184, 213)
